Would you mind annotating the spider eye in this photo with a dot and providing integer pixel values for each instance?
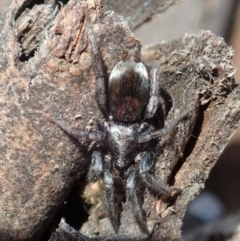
(128, 91)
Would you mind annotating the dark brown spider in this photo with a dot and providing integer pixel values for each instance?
(128, 99)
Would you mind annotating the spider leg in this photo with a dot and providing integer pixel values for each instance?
(96, 168)
(66, 232)
(109, 198)
(154, 99)
(77, 133)
(101, 95)
(149, 180)
(148, 136)
(132, 189)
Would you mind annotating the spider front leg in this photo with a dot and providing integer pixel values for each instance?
(96, 168)
(150, 181)
(109, 198)
(100, 168)
(132, 192)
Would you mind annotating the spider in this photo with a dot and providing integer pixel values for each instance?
(125, 141)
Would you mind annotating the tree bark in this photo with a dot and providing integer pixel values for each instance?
(139, 11)
(47, 69)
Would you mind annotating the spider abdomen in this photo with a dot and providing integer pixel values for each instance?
(128, 91)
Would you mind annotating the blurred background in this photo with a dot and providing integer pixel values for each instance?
(221, 196)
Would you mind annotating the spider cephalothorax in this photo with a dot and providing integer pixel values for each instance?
(127, 100)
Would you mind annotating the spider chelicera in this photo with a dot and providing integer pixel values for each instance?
(127, 100)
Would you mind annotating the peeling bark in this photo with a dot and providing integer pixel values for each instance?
(196, 64)
(46, 69)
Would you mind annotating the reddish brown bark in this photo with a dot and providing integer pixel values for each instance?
(46, 69)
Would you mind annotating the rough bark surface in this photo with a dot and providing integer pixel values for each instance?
(196, 64)
(46, 69)
(139, 11)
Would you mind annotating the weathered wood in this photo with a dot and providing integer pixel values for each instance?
(196, 64)
(46, 69)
